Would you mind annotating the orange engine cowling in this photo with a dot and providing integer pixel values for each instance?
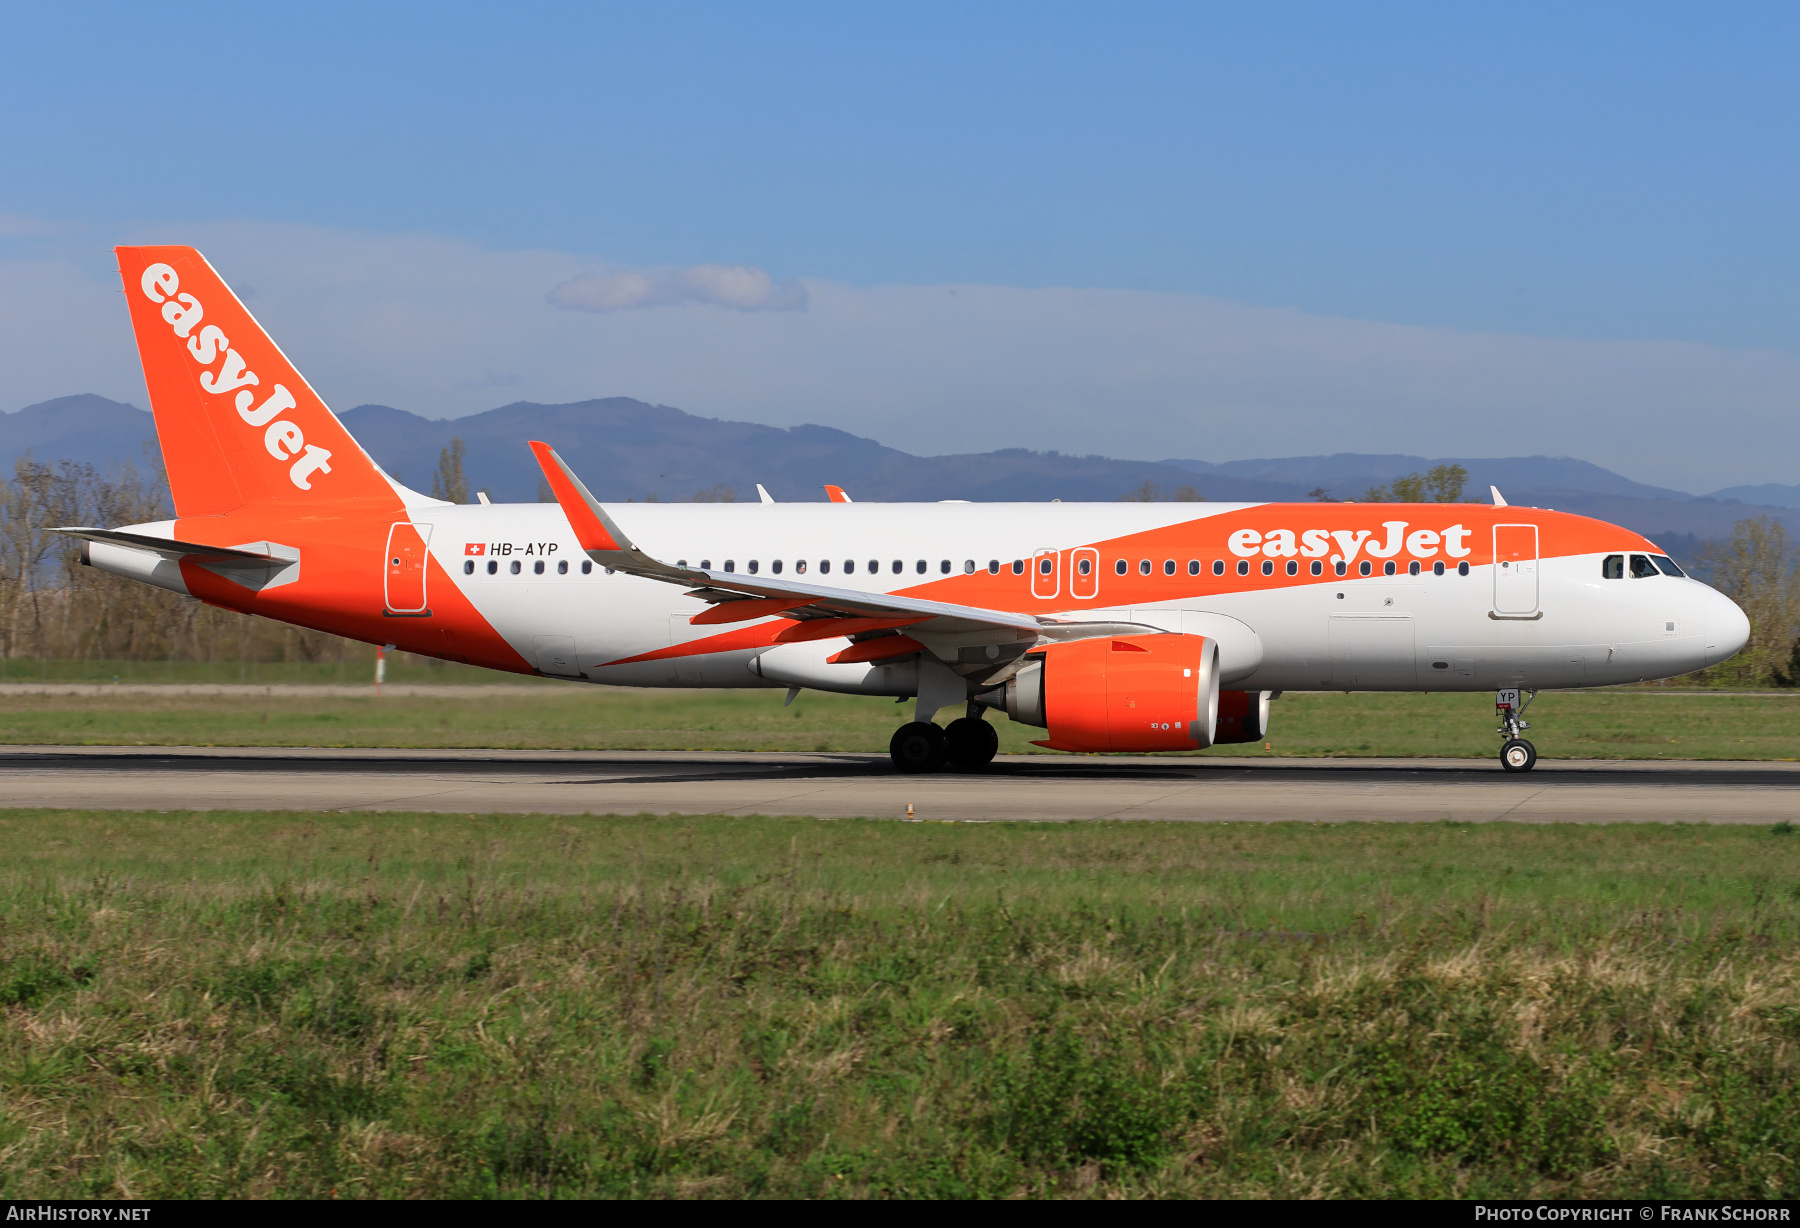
(1120, 693)
(1243, 717)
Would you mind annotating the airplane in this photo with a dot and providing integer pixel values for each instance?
(1115, 627)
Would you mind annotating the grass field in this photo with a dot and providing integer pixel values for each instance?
(1626, 724)
(225, 1005)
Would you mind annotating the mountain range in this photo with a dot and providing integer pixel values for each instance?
(627, 449)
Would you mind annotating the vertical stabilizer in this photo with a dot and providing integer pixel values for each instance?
(236, 421)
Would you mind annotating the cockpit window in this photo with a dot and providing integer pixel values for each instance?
(1666, 565)
(1641, 567)
(1612, 567)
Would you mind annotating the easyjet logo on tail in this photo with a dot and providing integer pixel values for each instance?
(282, 439)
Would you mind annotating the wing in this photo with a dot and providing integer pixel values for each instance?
(820, 612)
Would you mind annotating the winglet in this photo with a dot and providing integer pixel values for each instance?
(1499, 499)
(594, 529)
(836, 494)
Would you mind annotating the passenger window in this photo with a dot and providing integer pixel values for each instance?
(850, 567)
(1193, 567)
(1666, 565)
(468, 567)
(1243, 567)
(1437, 568)
(1121, 567)
(1462, 569)
(968, 567)
(537, 568)
(1268, 567)
(1293, 567)
(1045, 567)
(1018, 567)
(1084, 566)
(874, 567)
(1363, 568)
(920, 567)
(824, 567)
(1318, 568)
(515, 567)
(587, 566)
(899, 566)
(730, 566)
(1612, 567)
(492, 567)
(1168, 567)
(1218, 567)
(1143, 567)
(944, 567)
(753, 566)
(1340, 568)
(562, 567)
(1387, 568)
(993, 567)
(774, 568)
(800, 567)
(705, 564)
(1641, 567)
(1412, 568)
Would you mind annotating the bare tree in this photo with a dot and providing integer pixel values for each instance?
(448, 482)
(1755, 568)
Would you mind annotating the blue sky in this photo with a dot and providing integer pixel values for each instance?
(1596, 173)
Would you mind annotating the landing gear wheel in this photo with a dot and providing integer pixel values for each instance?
(1518, 755)
(918, 747)
(971, 743)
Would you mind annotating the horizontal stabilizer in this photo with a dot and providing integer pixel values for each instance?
(169, 548)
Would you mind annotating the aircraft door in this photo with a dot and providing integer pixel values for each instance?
(1084, 573)
(1046, 574)
(1373, 652)
(1515, 570)
(403, 578)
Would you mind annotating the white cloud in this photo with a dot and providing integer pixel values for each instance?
(443, 328)
(738, 286)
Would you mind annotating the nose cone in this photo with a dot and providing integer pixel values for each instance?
(1727, 628)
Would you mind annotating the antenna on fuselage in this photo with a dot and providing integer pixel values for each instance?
(1499, 499)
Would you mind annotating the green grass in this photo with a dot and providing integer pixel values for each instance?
(232, 1005)
(1639, 724)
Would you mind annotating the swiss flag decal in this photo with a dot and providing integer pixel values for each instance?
(475, 548)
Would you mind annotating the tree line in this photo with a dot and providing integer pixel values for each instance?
(53, 607)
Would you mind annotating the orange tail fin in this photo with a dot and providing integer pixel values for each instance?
(236, 421)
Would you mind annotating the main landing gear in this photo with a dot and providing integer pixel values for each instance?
(1516, 754)
(967, 744)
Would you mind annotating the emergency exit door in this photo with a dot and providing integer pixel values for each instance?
(1516, 570)
(404, 567)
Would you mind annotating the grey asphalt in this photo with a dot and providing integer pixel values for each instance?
(1057, 788)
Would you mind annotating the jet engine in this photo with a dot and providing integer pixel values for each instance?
(1243, 717)
(1120, 693)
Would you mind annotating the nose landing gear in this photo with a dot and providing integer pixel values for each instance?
(1516, 754)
